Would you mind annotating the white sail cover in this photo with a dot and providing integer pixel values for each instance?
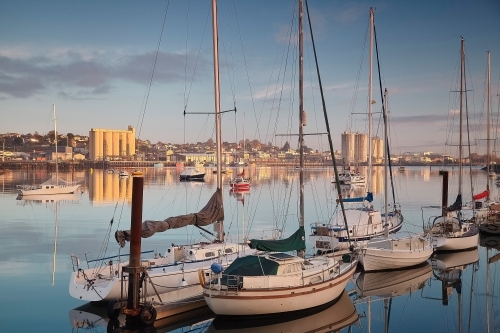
(212, 212)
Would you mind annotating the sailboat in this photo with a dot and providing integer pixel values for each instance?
(478, 210)
(274, 281)
(363, 220)
(58, 186)
(239, 182)
(175, 275)
(386, 252)
(350, 176)
(449, 232)
(489, 212)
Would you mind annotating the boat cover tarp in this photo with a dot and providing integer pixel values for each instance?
(369, 198)
(457, 205)
(212, 212)
(252, 266)
(481, 195)
(295, 242)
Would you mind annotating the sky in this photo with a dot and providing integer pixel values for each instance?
(111, 64)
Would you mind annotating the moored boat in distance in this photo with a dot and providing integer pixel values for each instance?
(191, 174)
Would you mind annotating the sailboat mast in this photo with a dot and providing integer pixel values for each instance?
(55, 139)
(370, 102)
(488, 105)
(218, 139)
(301, 112)
(386, 176)
(462, 73)
(217, 94)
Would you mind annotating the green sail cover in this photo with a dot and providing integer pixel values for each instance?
(295, 242)
(252, 266)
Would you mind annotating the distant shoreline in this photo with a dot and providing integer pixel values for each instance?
(80, 165)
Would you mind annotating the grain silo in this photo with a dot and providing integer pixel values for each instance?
(109, 143)
(361, 147)
(378, 149)
(348, 147)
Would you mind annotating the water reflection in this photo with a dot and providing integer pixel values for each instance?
(93, 317)
(386, 285)
(448, 268)
(340, 315)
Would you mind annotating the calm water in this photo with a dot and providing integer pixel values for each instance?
(38, 237)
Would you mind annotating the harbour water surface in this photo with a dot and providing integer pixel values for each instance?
(456, 292)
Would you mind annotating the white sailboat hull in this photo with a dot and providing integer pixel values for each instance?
(268, 295)
(47, 189)
(395, 253)
(448, 234)
(443, 243)
(166, 274)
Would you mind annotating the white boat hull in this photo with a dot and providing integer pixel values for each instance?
(166, 275)
(443, 243)
(276, 300)
(395, 253)
(47, 189)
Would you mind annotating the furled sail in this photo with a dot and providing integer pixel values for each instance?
(295, 242)
(457, 205)
(212, 212)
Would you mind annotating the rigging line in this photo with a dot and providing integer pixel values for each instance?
(186, 54)
(467, 124)
(284, 63)
(245, 62)
(148, 89)
(327, 124)
(230, 77)
(354, 97)
(186, 99)
(384, 115)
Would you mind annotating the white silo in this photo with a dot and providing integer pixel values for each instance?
(361, 150)
(348, 147)
(378, 149)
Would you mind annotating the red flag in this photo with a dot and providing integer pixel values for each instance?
(481, 195)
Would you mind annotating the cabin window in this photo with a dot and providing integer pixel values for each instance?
(228, 250)
(209, 254)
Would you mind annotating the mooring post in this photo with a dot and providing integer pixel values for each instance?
(134, 267)
(444, 195)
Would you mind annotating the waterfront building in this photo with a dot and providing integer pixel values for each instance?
(109, 144)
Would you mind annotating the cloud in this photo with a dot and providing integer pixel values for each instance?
(19, 87)
(419, 119)
(78, 74)
(351, 13)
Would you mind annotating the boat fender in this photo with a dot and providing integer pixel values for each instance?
(492, 227)
(491, 243)
(113, 309)
(217, 268)
(201, 277)
(147, 314)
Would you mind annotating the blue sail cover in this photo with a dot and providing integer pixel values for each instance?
(295, 242)
(369, 198)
